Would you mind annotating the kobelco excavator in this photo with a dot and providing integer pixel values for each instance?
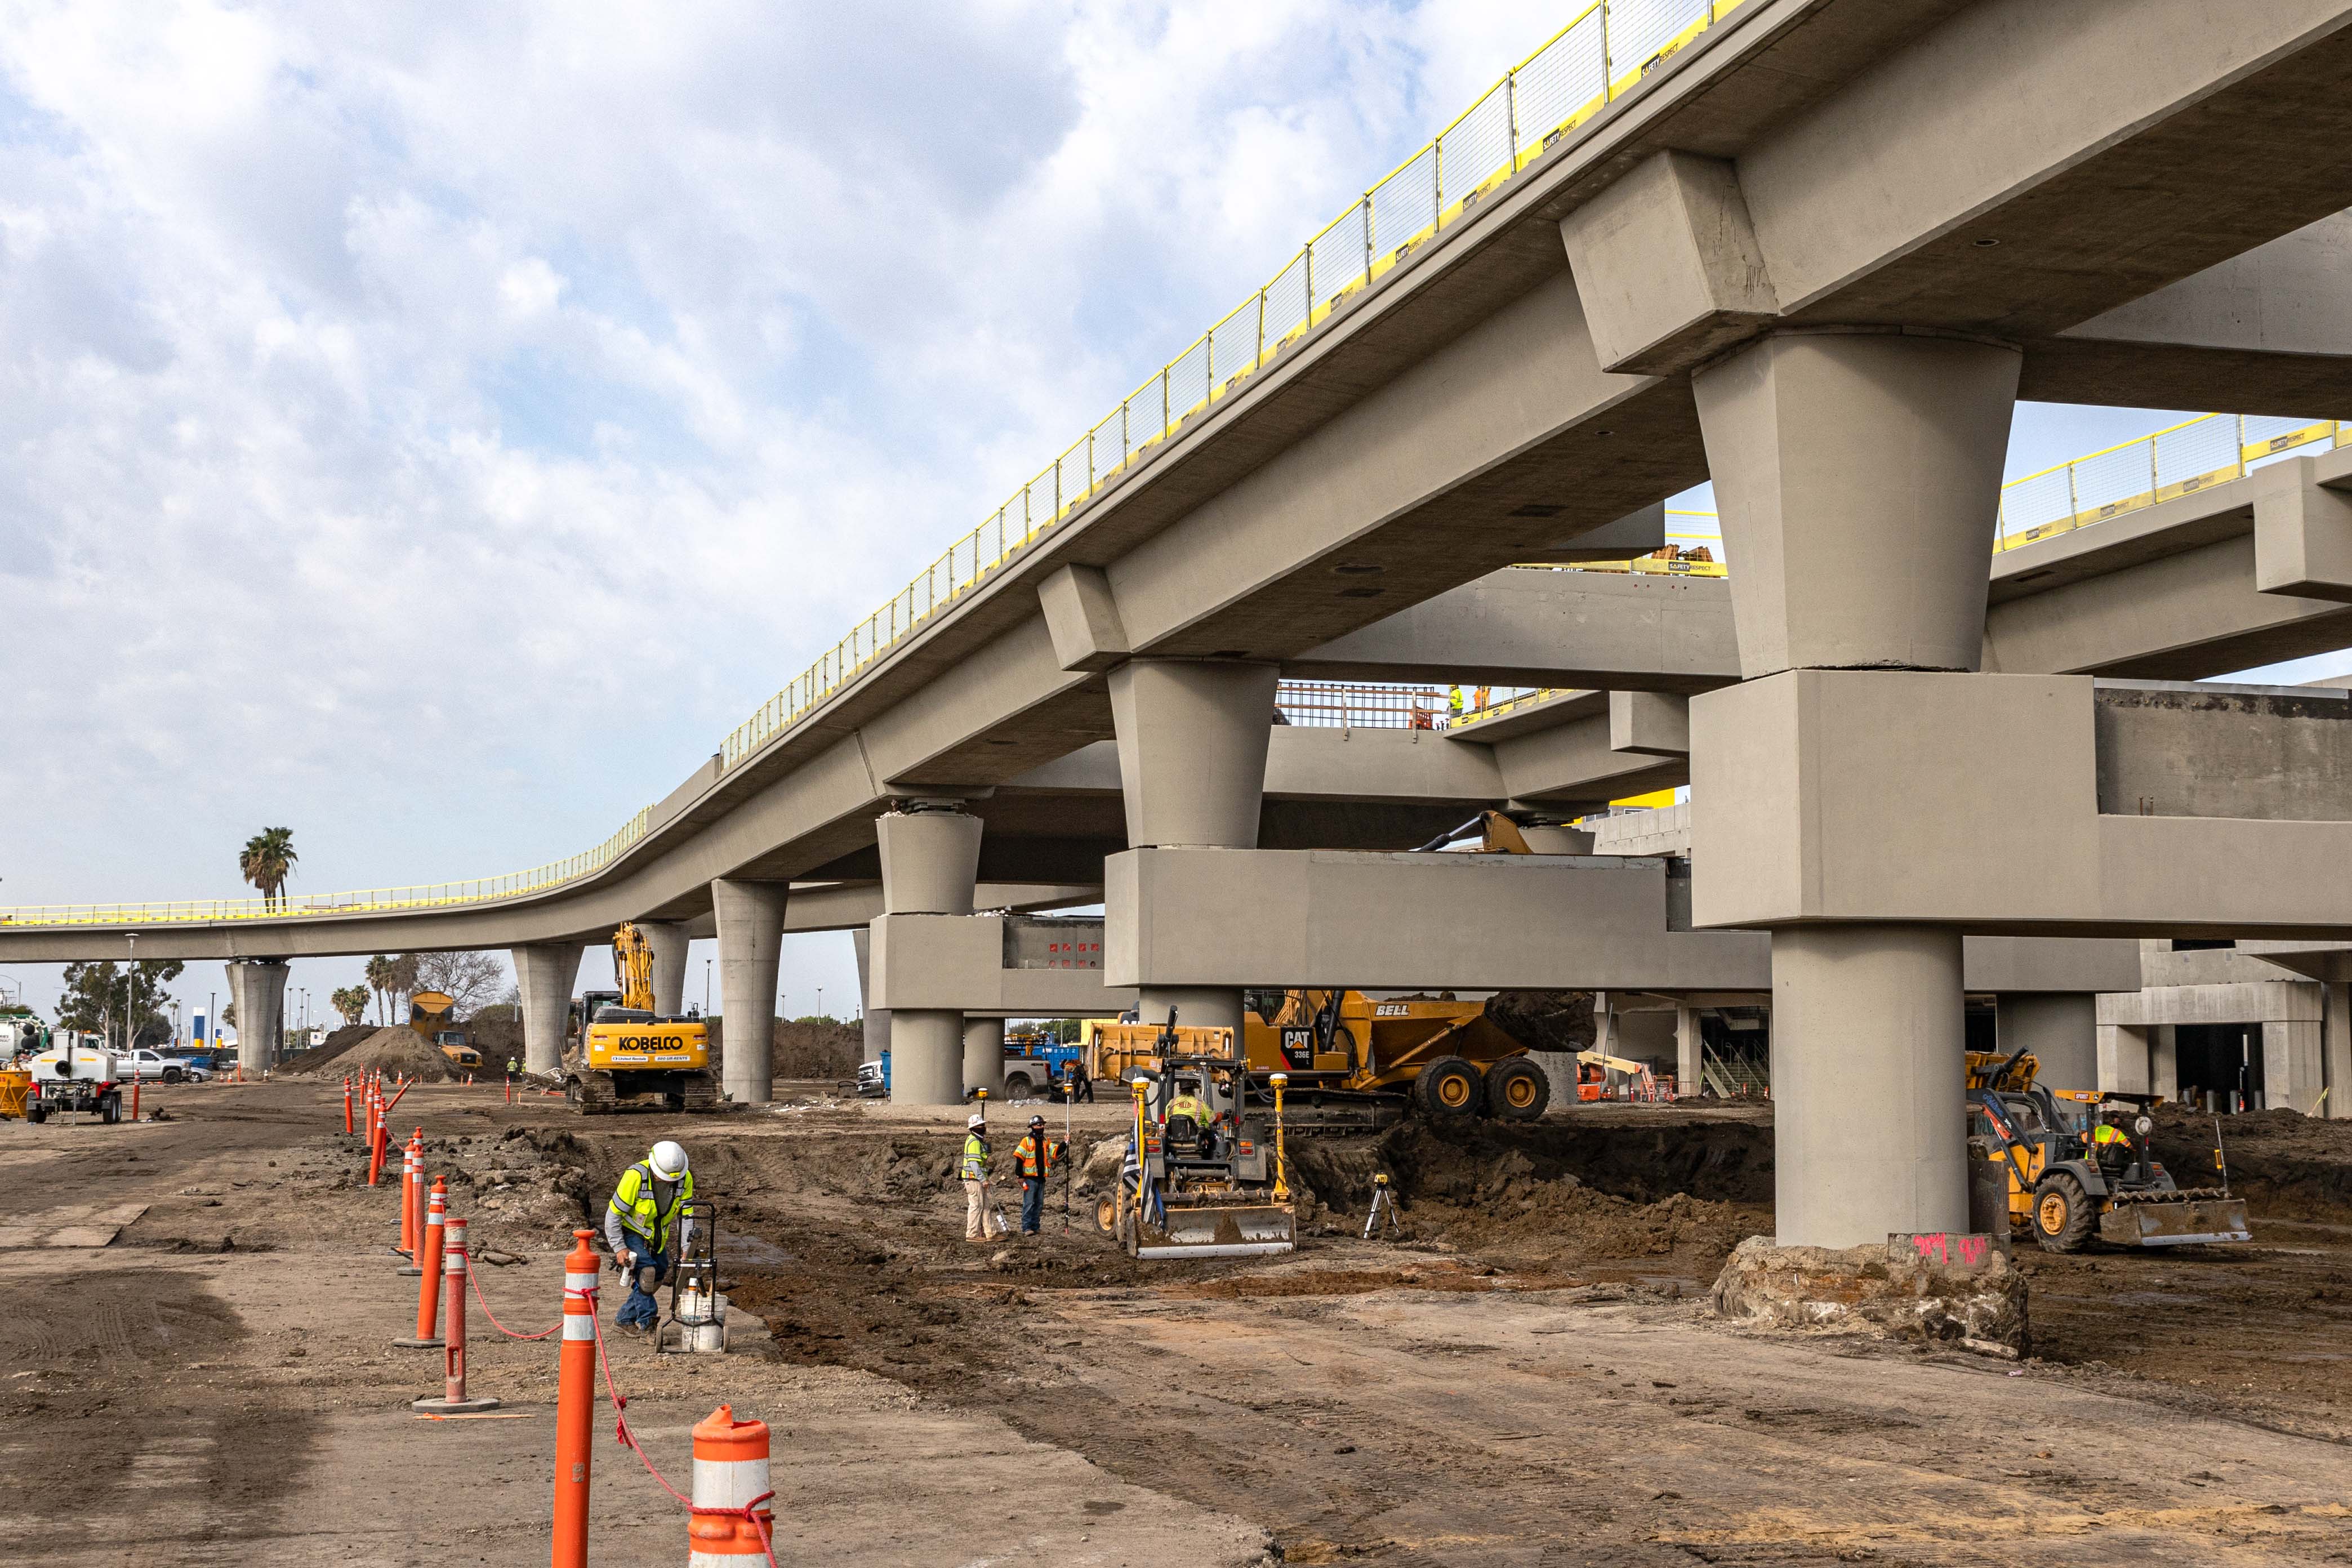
(629, 1056)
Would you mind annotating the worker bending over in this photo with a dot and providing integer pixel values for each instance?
(1036, 1157)
(637, 1228)
(980, 1219)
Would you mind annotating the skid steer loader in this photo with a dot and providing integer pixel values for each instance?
(1200, 1179)
(2067, 1182)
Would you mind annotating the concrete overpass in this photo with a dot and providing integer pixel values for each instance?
(1816, 255)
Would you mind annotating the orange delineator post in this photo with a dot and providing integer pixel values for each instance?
(135, 1094)
(412, 1228)
(576, 1404)
(453, 1400)
(428, 1287)
(347, 1106)
(732, 1521)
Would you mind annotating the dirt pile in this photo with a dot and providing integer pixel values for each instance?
(337, 1043)
(394, 1050)
(804, 1050)
(1553, 1193)
(2286, 1165)
(1545, 1020)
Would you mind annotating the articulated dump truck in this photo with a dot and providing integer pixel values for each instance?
(1356, 1064)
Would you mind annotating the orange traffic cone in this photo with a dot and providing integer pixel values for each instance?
(411, 1201)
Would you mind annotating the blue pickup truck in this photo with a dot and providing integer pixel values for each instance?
(1032, 1067)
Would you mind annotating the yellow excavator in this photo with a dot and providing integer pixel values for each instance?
(629, 1056)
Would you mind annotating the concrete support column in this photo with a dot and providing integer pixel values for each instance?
(667, 941)
(2061, 1031)
(257, 986)
(1858, 475)
(1690, 1074)
(544, 975)
(2163, 1061)
(2123, 1064)
(1192, 738)
(2290, 1066)
(751, 945)
(930, 863)
(983, 1055)
(2335, 1059)
(877, 1019)
(1867, 1042)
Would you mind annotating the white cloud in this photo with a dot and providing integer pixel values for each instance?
(434, 432)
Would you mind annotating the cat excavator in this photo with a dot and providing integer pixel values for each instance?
(629, 1056)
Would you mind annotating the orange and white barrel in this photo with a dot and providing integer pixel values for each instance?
(732, 1522)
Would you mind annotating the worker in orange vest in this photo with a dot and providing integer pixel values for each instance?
(1035, 1157)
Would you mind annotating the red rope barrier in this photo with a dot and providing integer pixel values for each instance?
(628, 1439)
(493, 1317)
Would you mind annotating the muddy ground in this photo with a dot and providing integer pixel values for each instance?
(1527, 1375)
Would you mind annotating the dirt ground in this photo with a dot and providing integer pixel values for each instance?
(197, 1316)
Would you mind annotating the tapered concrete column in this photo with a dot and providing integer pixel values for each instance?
(257, 986)
(545, 974)
(1858, 475)
(2126, 1062)
(668, 941)
(2337, 1060)
(751, 944)
(2291, 1071)
(1867, 1042)
(877, 1019)
(2061, 1031)
(930, 862)
(1193, 740)
(983, 1055)
(1690, 1075)
(2164, 1062)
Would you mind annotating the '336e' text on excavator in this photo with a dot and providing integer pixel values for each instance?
(629, 1056)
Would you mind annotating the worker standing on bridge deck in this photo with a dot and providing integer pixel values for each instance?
(636, 1226)
(979, 1217)
(1035, 1156)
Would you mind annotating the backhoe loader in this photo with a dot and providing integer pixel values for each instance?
(2067, 1182)
(627, 1055)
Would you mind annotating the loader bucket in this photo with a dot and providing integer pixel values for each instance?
(1252, 1230)
(2176, 1224)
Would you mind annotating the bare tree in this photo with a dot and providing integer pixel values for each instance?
(470, 979)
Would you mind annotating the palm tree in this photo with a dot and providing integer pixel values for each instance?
(350, 1001)
(267, 861)
(379, 979)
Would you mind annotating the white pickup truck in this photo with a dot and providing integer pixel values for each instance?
(157, 1068)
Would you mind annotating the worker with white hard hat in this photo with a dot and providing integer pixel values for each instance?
(637, 1222)
(980, 1220)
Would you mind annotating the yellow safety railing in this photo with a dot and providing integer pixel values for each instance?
(370, 901)
(2177, 460)
(1602, 54)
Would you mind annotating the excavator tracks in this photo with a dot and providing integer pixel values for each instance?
(602, 1094)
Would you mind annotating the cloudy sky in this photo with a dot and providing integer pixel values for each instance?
(433, 430)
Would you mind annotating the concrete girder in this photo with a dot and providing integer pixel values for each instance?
(545, 973)
(751, 948)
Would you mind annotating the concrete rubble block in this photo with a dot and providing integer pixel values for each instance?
(1939, 1296)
